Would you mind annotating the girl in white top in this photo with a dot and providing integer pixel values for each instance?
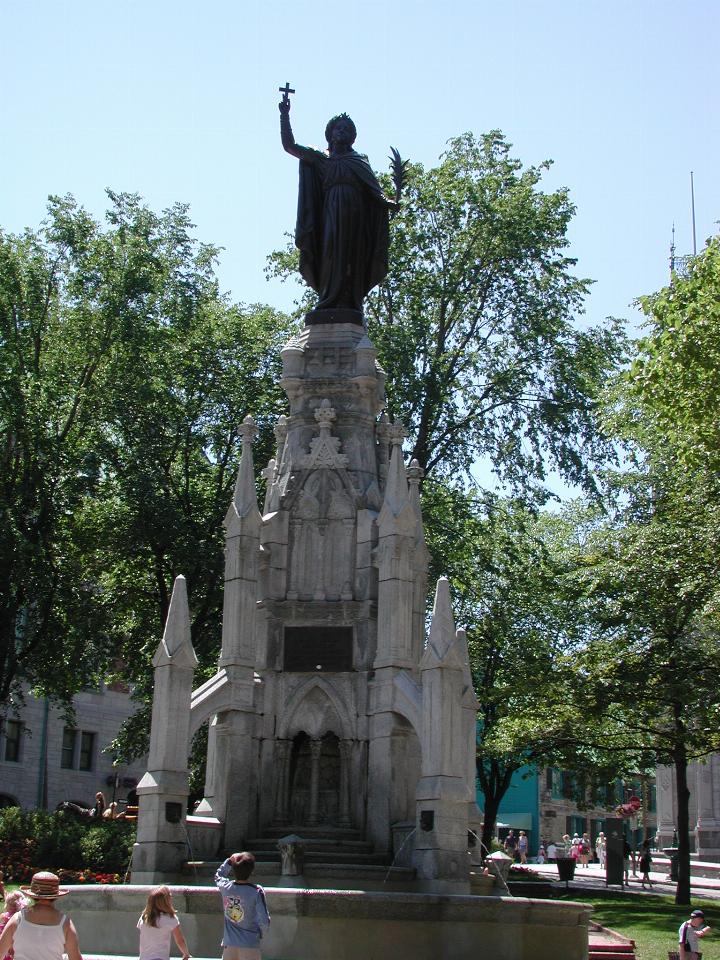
(157, 925)
(41, 932)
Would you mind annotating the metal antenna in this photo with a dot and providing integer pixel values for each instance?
(692, 198)
(672, 252)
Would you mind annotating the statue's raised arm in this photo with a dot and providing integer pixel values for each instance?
(342, 220)
(286, 134)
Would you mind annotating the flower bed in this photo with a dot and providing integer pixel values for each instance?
(16, 860)
(86, 876)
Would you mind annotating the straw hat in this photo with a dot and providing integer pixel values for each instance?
(44, 886)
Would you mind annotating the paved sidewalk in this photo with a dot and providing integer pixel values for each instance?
(593, 876)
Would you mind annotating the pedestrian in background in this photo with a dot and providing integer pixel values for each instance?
(522, 846)
(645, 863)
(601, 849)
(584, 850)
(626, 860)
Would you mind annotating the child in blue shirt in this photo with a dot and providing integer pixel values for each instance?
(244, 909)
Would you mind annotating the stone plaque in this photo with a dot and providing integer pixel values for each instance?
(318, 649)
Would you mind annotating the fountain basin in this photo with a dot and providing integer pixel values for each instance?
(349, 924)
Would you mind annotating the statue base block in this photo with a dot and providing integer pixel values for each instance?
(335, 315)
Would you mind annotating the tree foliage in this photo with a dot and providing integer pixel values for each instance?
(516, 591)
(475, 323)
(651, 591)
(674, 383)
(123, 374)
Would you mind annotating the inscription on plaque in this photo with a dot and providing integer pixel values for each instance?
(318, 649)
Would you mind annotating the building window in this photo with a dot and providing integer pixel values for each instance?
(87, 750)
(67, 759)
(13, 734)
(553, 782)
(78, 750)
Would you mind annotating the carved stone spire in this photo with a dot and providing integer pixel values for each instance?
(176, 645)
(397, 495)
(160, 843)
(441, 649)
(244, 502)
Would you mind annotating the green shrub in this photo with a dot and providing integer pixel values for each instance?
(107, 847)
(61, 840)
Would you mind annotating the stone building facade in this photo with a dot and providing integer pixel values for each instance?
(543, 803)
(44, 761)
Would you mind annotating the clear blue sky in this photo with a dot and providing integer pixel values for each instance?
(177, 101)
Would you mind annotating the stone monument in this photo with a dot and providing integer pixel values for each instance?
(329, 713)
(704, 785)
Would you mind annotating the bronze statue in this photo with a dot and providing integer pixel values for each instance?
(342, 220)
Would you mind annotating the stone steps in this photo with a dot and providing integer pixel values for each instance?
(319, 832)
(267, 873)
(322, 842)
(327, 855)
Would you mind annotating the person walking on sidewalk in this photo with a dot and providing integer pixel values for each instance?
(600, 849)
(645, 863)
(244, 908)
(41, 932)
(689, 934)
(522, 846)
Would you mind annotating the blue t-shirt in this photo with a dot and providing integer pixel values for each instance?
(244, 909)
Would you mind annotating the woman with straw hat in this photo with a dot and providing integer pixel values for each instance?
(41, 932)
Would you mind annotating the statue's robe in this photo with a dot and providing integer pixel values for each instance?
(342, 228)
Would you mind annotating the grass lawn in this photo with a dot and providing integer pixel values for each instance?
(652, 922)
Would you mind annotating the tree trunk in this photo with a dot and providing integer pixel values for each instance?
(489, 819)
(682, 891)
(494, 783)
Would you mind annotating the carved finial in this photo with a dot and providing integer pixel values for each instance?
(248, 430)
(281, 428)
(396, 433)
(415, 472)
(324, 414)
(325, 449)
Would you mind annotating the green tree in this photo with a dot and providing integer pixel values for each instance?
(653, 569)
(675, 376)
(475, 321)
(516, 590)
(124, 374)
(651, 595)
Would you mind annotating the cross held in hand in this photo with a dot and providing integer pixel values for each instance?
(286, 91)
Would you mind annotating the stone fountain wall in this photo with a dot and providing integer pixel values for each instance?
(354, 925)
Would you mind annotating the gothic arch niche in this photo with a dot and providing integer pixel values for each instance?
(315, 780)
(313, 757)
(322, 540)
(405, 767)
